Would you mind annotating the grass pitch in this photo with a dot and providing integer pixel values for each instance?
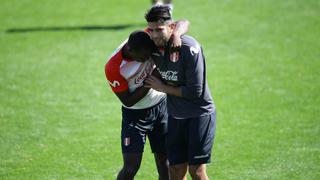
(60, 120)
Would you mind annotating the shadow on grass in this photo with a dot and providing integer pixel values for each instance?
(75, 28)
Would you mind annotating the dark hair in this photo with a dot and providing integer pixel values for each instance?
(140, 40)
(159, 13)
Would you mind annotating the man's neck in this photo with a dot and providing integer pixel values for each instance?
(168, 42)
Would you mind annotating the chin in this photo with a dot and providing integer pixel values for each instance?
(161, 44)
(158, 43)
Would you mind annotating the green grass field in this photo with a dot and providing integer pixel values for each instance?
(60, 120)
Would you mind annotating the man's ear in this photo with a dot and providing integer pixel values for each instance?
(172, 25)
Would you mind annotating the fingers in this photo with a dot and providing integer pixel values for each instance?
(147, 86)
(151, 82)
(175, 44)
(152, 78)
(148, 82)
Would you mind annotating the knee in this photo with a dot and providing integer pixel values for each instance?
(130, 170)
(178, 172)
(198, 171)
(161, 159)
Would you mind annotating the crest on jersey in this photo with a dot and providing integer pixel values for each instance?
(174, 57)
(126, 141)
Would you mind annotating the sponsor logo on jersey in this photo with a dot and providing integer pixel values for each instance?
(114, 83)
(147, 71)
(169, 75)
(174, 57)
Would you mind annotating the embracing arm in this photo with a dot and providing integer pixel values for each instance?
(156, 84)
(181, 27)
(130, 99)
(120, 87)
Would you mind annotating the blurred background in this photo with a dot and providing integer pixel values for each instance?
(60, 120)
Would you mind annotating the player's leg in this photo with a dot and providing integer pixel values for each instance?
(132, 143)
(178, 172)
(201, 138)
(162, 166)
(165, 2)
(157, 138)
(198, 172)
(177, 145)
(131, 165)
(158, 146)
(157, 2)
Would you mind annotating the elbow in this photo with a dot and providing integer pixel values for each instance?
(186, 22)
(128, 104)
(196, 95)
(192, 93)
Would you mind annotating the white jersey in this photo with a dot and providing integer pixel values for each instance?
(127, 75)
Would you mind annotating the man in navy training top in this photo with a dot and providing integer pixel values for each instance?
(191, 121)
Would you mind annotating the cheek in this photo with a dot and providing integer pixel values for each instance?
(159, 34)
(153, 35)
(166, 33)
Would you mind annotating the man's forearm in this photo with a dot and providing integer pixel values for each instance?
(158, 85)
(181, 27)
(171, 90)
(130, 99)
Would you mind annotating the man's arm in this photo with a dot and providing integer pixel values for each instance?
(181, 27)
(119, 85)
(156, 84)
(130, 99)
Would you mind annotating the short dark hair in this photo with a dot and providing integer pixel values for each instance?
(159, 13)
(140, 40)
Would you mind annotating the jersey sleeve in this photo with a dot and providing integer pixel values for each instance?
(116, 81)
(194, 72)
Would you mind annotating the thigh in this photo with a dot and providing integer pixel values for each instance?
(132, 139)
(177, 143)
(201, 138)
(157, 136)
(157, 142)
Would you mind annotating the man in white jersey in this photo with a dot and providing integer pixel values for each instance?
(144, 111)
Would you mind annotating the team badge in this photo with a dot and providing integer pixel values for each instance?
(174, 57)
(126, 141)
